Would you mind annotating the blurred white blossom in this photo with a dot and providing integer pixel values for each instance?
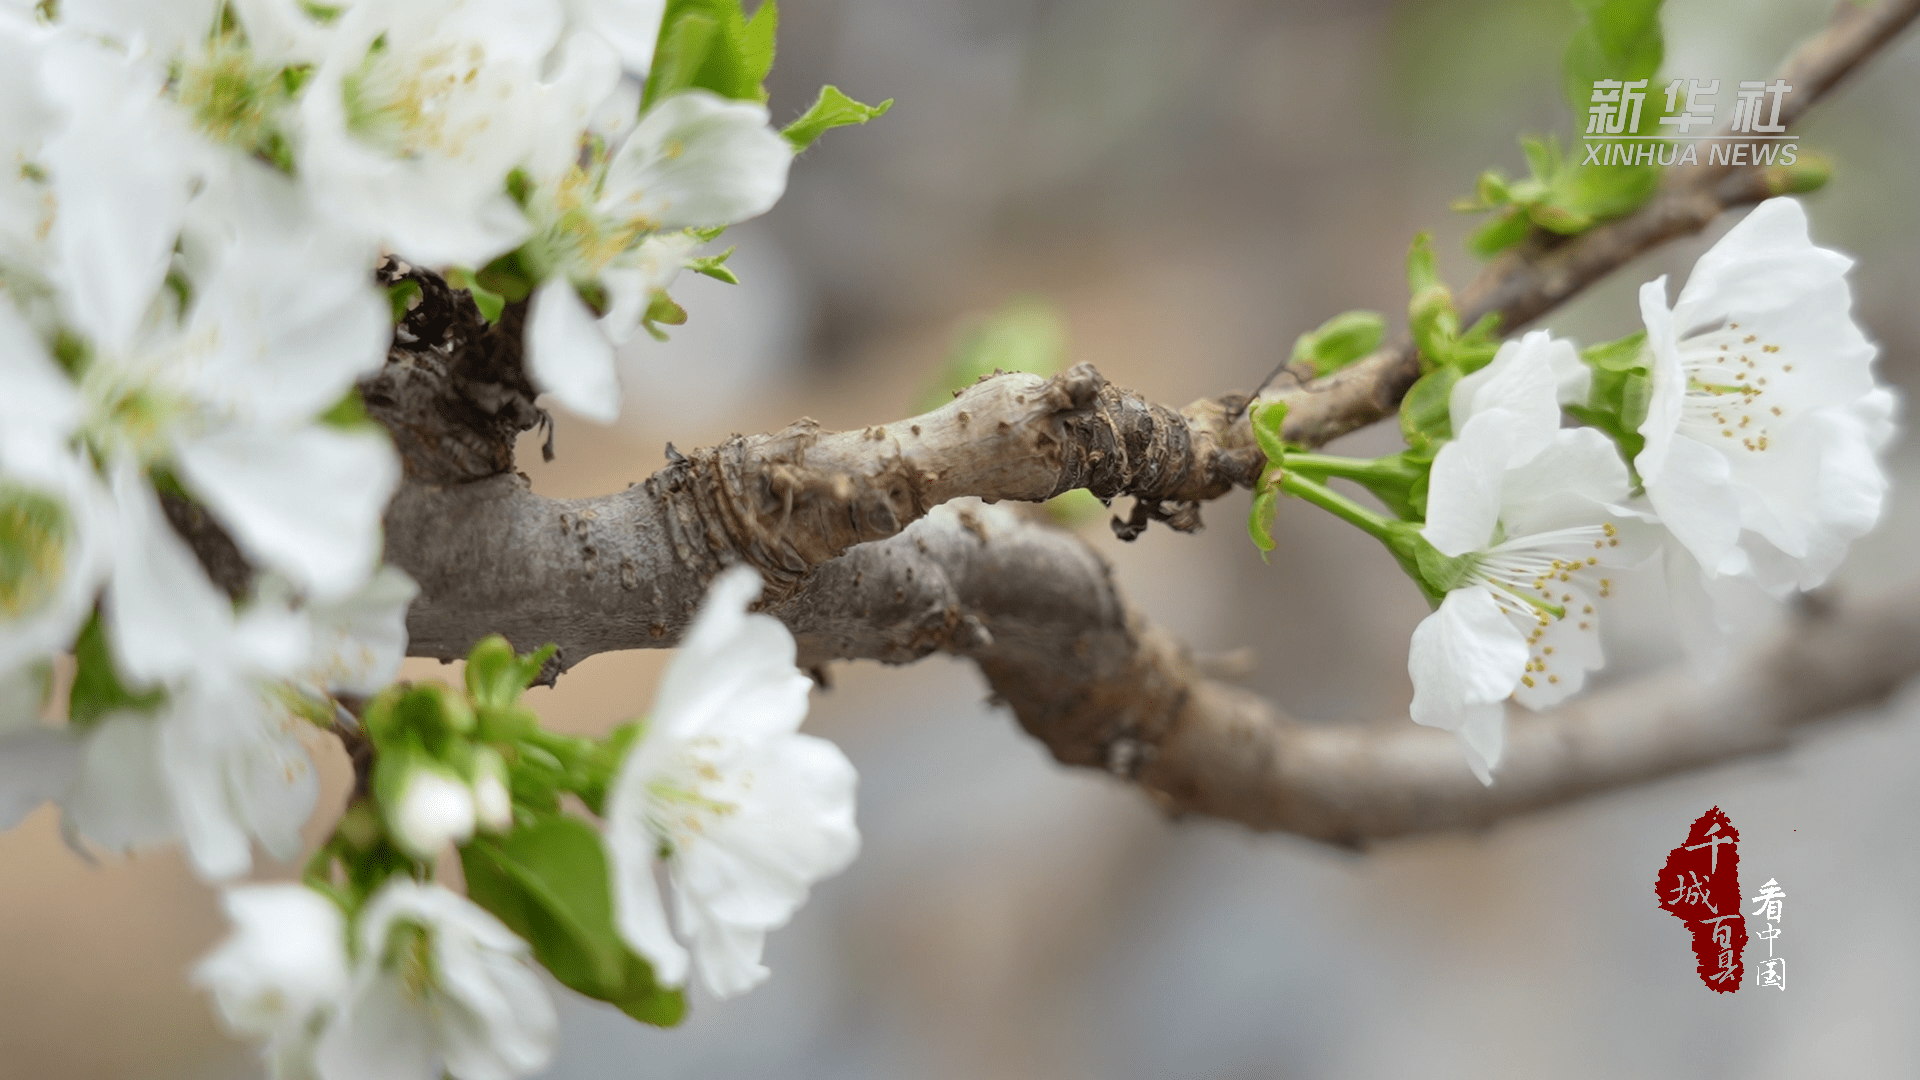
(280, 974)
(438, 985)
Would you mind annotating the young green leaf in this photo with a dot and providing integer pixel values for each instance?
(662, 309)
(1621, 388)
(830, 110)
(1268, 420)
(712, 45)
(1426, 419)
(714, 266)
(1340, 341)
(548, 881)
(401, 296)
(490, 303)
(496, 676)
(1619, 39)
(1260, 521)
(1430, 312)
(1500, 233)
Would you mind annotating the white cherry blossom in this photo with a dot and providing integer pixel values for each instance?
(694, 159)
(282, 320)
(438, 985)
(1530, 377)
(1762, 428)
(1535, 543)
(416, 116)
(631, 27)
(749, 812)
(278, 977)
(223, 749)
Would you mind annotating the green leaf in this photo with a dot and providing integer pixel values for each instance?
(830, 110)
(686, 37)
(1543, 156)
(496, 676)
(490, 303)
(1559, 219)
(1619, 39)
(508, 277)
(712, 45)
(1340, 341)
(1430, 312)
(1426, 418)
(349, 413)
(1499, 233)
(1268, 419)
(400, 297)
(1603, 191)
(714, 266)
(756, 45)
(1260, 521)
(1624, 354)
(426, 715)
(549, 882)
(1621, 388)
(96, 687)
(662, 309)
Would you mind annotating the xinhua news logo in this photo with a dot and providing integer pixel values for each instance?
(1755, 136)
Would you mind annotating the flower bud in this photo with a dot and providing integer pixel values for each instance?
(434, 810)
(492, 798)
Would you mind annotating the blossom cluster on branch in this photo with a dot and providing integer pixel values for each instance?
(1738, 433)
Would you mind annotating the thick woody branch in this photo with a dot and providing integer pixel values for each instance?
(1090, 678)
(1547, 271)
(624, 571)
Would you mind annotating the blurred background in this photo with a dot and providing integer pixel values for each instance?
(1191, 184)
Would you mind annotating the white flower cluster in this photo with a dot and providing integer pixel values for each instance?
(433, 985)
(193, 196)
(1758, 468)
(746, 813)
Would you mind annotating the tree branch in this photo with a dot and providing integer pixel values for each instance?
(1090, 678)
(864, 562)
(625, 571)
(1545, 272)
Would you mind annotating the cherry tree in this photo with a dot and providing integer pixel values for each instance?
(284, 282)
